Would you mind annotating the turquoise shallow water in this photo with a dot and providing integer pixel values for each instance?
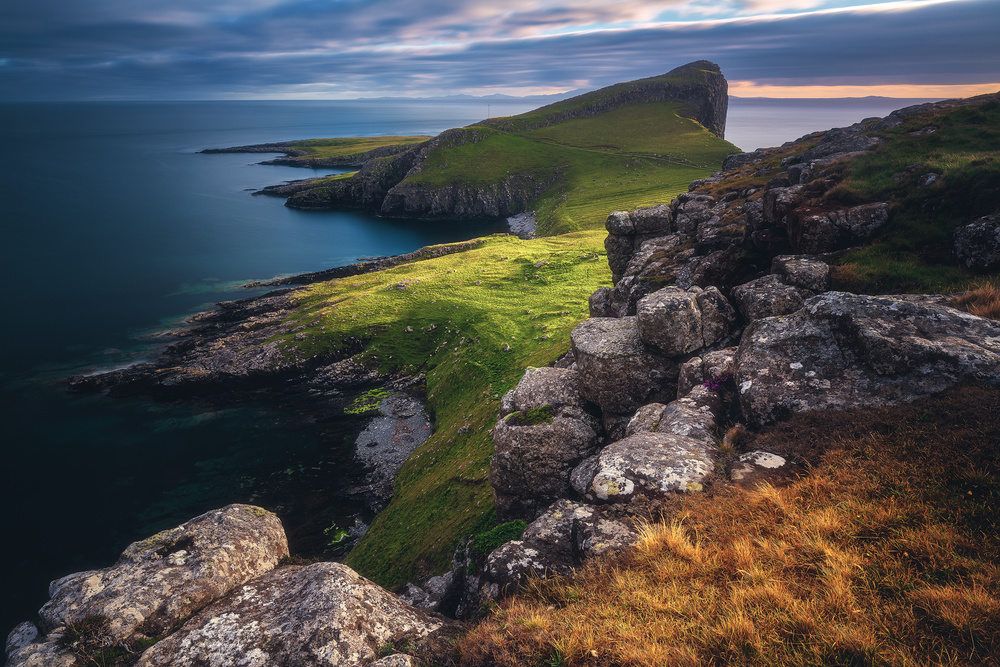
(113, 229)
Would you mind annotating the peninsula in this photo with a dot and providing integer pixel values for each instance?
(565, 163)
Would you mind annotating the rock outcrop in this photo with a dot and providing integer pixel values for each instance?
(209, 591)
(843, 350)
(161, 581)
(320, 614)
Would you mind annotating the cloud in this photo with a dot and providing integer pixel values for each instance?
(347, 48)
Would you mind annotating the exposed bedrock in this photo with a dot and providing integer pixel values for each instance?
(323, 614)
(161, 581)
(843, 350)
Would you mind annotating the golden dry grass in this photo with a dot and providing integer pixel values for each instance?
(886, 553)
(982, 300)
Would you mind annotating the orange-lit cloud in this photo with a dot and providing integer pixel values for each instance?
(752, 89)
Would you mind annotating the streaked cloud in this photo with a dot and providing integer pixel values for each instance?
(113, 49)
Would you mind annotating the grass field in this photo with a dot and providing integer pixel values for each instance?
(471, 322)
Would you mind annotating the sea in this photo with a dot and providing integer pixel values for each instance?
(116, 229)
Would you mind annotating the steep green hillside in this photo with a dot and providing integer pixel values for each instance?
(471, 322)
(626, 158)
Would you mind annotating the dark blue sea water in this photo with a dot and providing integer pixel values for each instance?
(114, 229)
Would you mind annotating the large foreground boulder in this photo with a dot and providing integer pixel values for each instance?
(321, 614)
(543, 432)
(843, 350)
(160, 582)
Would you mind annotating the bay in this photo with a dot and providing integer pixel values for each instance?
(114, 230)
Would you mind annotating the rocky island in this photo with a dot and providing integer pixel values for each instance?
(769, 438)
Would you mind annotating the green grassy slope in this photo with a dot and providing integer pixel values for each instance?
(633, 156)
(344, 147)
(464, 311)
(914, 252)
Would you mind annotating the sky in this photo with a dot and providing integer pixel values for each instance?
(345, 49)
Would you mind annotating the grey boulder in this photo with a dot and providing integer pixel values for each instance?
(320, 614)
(618, 372)
(651, 464)
(977, 244)
(844, 350)
(543, 432)
(160, 582)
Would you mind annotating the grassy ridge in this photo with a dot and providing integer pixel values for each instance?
(349, 146)
(471, 322)
(634, 156)
(914, 252)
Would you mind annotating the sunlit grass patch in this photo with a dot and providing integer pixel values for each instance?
(471, 322)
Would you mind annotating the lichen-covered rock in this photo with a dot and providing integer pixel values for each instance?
(721, 268)
(717, 316)
(767, 297)
(599, 303)
(650, 464)
(681, 321)
(758, 467)
(691, 210)
(23, 634)
(48, 652)
(543, 432)
(777, 203)
(656, 220)
(692, 374)
(161, 581)
(397, 660)
(803, 272)
(646, 419)
(617, 371)
(555, 543)
(843, 350)
(320, 614)
(670, 320)
(977, 244)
